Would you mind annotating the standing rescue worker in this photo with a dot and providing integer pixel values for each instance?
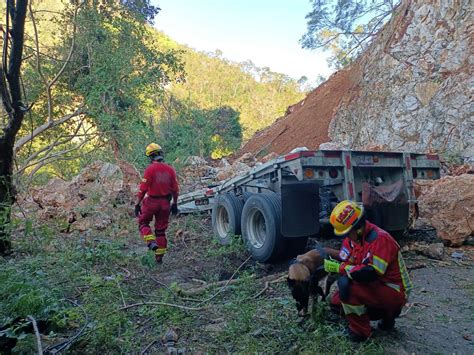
(375, 282)
(158, 187)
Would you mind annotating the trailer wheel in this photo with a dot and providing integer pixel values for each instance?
(261, 219)
(246, 195)
(226, 215)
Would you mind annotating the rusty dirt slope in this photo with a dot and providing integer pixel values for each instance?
(409, 91)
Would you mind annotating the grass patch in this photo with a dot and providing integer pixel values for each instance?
(80, 282)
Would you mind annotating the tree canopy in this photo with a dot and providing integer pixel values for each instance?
(345, 27)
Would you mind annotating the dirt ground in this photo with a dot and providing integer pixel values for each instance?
(439, 317)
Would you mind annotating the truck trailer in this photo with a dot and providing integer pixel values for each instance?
(278, 205)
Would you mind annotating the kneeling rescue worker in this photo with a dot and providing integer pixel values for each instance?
(159, 185)
(374, 284)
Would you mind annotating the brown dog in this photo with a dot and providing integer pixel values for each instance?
(304, 275)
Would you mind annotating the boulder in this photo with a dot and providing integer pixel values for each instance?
(376, 148)
(90, 200)
(231, 171)
(247, 158)
(195, 160)
(448, 205)
(330, 146)
(269, 157)
(432, 251)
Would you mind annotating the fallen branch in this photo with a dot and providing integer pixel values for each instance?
(227, 283)
(37, 334)
(147, 347)
(161, 304)
(280, 278)
(200, 281)
(63, 345)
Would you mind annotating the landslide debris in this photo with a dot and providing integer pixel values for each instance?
(409, 91)
(94, 199)
(448, 205)
(307, 122)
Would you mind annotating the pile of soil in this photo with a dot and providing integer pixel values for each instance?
(307, 122)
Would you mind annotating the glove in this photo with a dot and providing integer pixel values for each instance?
(138, 210)
(174, 209)
(321, 251)
(331, 266)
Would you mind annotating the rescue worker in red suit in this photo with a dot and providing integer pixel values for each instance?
(158, 187)
(374, 282)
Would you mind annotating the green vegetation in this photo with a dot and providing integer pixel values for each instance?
(102, 82)
(80, 283)
(345, 27)
(97, 81)
(260, 95)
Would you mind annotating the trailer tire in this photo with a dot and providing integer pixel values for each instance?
(261, 219)
(246, 195)
(226, 217)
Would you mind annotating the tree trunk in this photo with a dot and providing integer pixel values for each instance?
(6, 194)
(11, 98)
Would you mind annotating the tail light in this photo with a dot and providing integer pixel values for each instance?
(308, 173)
(333, 173)
(414, 173)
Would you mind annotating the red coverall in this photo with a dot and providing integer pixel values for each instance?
(158, 186)
(379, 299)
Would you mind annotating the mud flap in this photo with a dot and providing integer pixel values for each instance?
(387, 206)
(300, 209)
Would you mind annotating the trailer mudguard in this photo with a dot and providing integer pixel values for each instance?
(300, 209)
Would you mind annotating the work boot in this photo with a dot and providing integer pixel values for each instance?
(159, 253)
(152, 245)
(159, 259)
(386, 324)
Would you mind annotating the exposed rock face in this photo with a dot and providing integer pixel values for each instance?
(448, 205)
(414, 87)
(410, 91)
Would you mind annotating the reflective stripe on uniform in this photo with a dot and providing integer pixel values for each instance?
(407, 284)
(348, 268)
(160, 251)
(394, 286)
(149, 238)
(379, 264)
(358, 309)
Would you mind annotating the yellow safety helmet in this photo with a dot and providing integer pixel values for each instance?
(152, 148)
(344, 216)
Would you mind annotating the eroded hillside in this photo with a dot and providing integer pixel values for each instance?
(409, 91)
